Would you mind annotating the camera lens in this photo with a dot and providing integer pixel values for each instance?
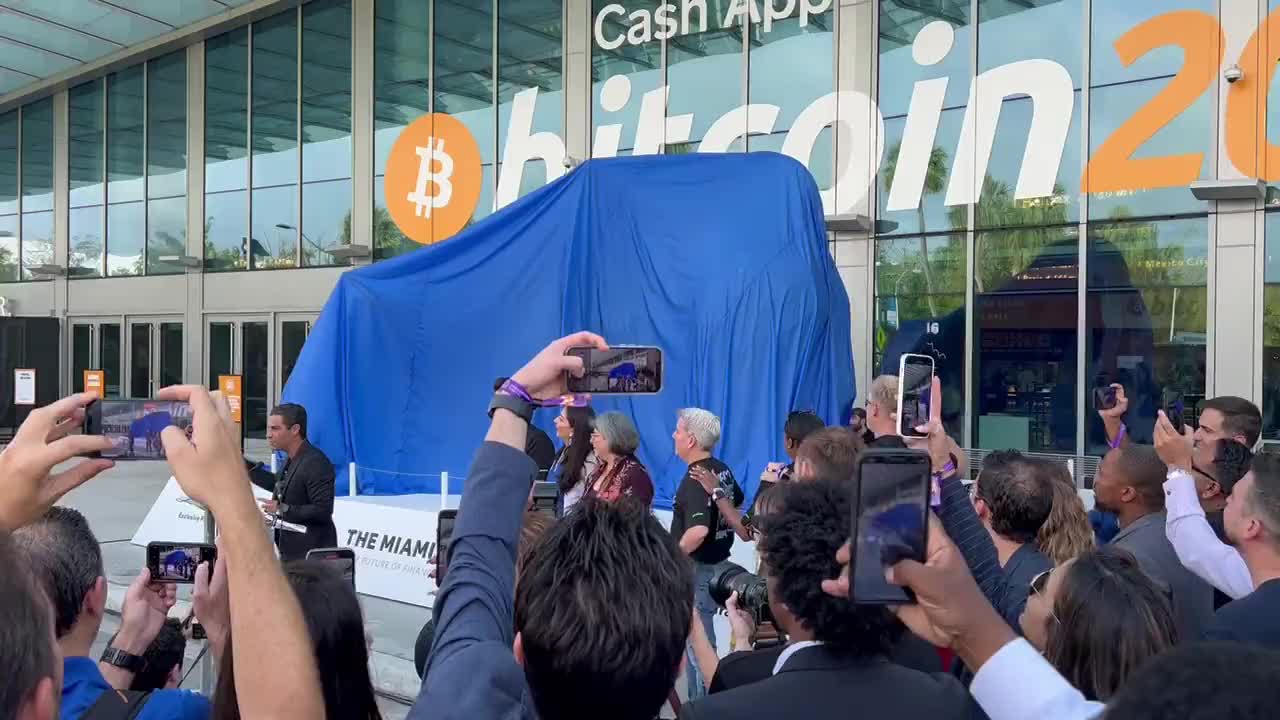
(753, 594)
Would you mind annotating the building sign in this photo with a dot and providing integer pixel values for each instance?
(232, 389)
(94, 380)
(615, 25)
(24, 386)
(433, 179)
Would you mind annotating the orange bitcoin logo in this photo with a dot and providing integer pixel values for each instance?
(433, 178)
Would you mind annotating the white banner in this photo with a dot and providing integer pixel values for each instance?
(176, 517)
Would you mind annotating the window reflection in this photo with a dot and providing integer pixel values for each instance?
(326, 130)
(224, 231)
(1013, 30)
(1110, 20)
(166, 161)
(640, 68)
(463, 80)
(997, 206)
(920, 298)
(86, 149)
(388, 241)
(8, 248)
(900, 21)
(9, 163)
(226, 97)
(704, 74)
(85, 252)
(1271, 331)
(402, 30)
(125, 232)
(326, 220)
(1146, 317)
(125, 112)
(166, 234)
(37, 241)
(275, 228)
(1024, 347)
(275, 98)
(36, 234)
(530, 37)
(931, 214)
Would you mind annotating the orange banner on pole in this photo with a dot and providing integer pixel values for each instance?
(232, 390)
(94, 382)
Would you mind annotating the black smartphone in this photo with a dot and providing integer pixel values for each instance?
(915, 392)
(544, 497)
(1104, 397)
(176, 562)
(444, 535)
(134, 426)
(623, 369)
(344, 560)
(1174, 406)
(890, 521)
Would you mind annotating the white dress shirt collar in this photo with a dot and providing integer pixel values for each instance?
(790, 650)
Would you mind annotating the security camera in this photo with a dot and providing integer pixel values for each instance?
(571, 162)
(1233, 74)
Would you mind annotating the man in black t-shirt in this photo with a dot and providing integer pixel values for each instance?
(696, 524)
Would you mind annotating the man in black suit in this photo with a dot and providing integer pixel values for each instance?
(836, 664)
(301, 490)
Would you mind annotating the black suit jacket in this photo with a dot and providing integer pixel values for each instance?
(750, 666)
(305, 485)
(816, 683)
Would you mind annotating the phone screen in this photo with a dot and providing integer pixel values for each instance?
(915, 386)
(177, 562)
(890, 521)
(1174, 408)
(618, 370)
(544, 496)
(1104, 398)
(134, 426)
(344, 560)
(444, 535)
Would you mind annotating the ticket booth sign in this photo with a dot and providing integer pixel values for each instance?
(232, 388)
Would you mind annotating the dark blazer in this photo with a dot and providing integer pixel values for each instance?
(747, 666)
(816, 683)
(305, 485)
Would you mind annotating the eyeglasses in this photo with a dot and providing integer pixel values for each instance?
(1039, 584)
(1202, 472)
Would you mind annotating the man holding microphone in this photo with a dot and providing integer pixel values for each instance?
(301, 490)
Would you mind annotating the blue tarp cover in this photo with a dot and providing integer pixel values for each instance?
(720, 260)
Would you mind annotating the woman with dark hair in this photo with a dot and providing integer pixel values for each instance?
(336, 625)
(576, 460)
(1098, 619)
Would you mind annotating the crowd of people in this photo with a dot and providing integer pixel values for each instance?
(1023, 610)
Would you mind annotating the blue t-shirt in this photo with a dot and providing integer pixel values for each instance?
(83, 684)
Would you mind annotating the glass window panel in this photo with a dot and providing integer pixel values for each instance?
(402, 31)
(293, 334)
(221, 361)
(488, 179)
(1191, 131)
(1024, 346)
(792, 66)
(1271, 331)
(110, 347)
(100, 19)
(125, 152)
(326, 91)
(997, 206)
(920, 299)
(530, 41)
(37, 156)
(85, 143)
(900, 21)
(167, 126)
(704, 76)
(1111, 20)
(1147, 314)
(1013, 30)
(37, 242)
(172, 351)
(388, 241)
(932, 213)
(125, 234)
(9, 163)
(255, 340)
(224, 231)
(275, 100)
(821, 161)
(85, 254)
(166, 234)
(175, 13)
(463, 81)
(8, 248)
(81, 354)
(275, 228)
(140, 360)
(326, 220)
(640, 64)
(226, 98)
(33, 31)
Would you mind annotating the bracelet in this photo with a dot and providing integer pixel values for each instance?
(1115, 444)
(515, 389)
(946, 471)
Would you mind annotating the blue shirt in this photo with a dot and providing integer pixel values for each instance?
(83, 684)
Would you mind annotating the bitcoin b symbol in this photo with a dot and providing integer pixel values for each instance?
(433, 153)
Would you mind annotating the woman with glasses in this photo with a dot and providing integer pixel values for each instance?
(1097, 619)
(618, 474)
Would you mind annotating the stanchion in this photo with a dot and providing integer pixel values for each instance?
(444, 489)
(351, 479)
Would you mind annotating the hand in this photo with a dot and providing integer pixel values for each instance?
(936, 441)
(28, 486)
(1121, 406)
(210, 599)
(707, 479)
(772, 472)
(544, 376)
(1173, 448)
(271, 507)
(211, 471)
(743, 625)
(146, 604)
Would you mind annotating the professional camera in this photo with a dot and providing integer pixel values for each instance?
(753, 596)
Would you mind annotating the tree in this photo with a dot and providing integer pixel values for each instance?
(935, 179)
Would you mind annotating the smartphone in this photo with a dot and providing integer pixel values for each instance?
(915, 390)
(1174, 406)
(134, 426)
(890, 521)
(176, 562)
(1104, 397)
(444, 535)
(544, 497)
(622, 369)
(344, 560)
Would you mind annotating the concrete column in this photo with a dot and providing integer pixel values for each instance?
(577, 78)
(193, 317)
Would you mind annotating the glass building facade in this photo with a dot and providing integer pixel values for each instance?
(1015, 203)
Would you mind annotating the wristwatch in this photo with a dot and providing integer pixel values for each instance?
(718, 494)
(522, 408)
(123, 660)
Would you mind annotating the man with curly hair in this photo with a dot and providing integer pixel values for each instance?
(836, 664)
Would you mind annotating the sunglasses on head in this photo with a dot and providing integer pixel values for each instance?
(1040, 582)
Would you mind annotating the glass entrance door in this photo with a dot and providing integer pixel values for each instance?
(155, 355)
(293, 331)
(242, 345)
(98, 344)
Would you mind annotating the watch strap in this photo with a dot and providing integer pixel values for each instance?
(521, 407)
(124, 660)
